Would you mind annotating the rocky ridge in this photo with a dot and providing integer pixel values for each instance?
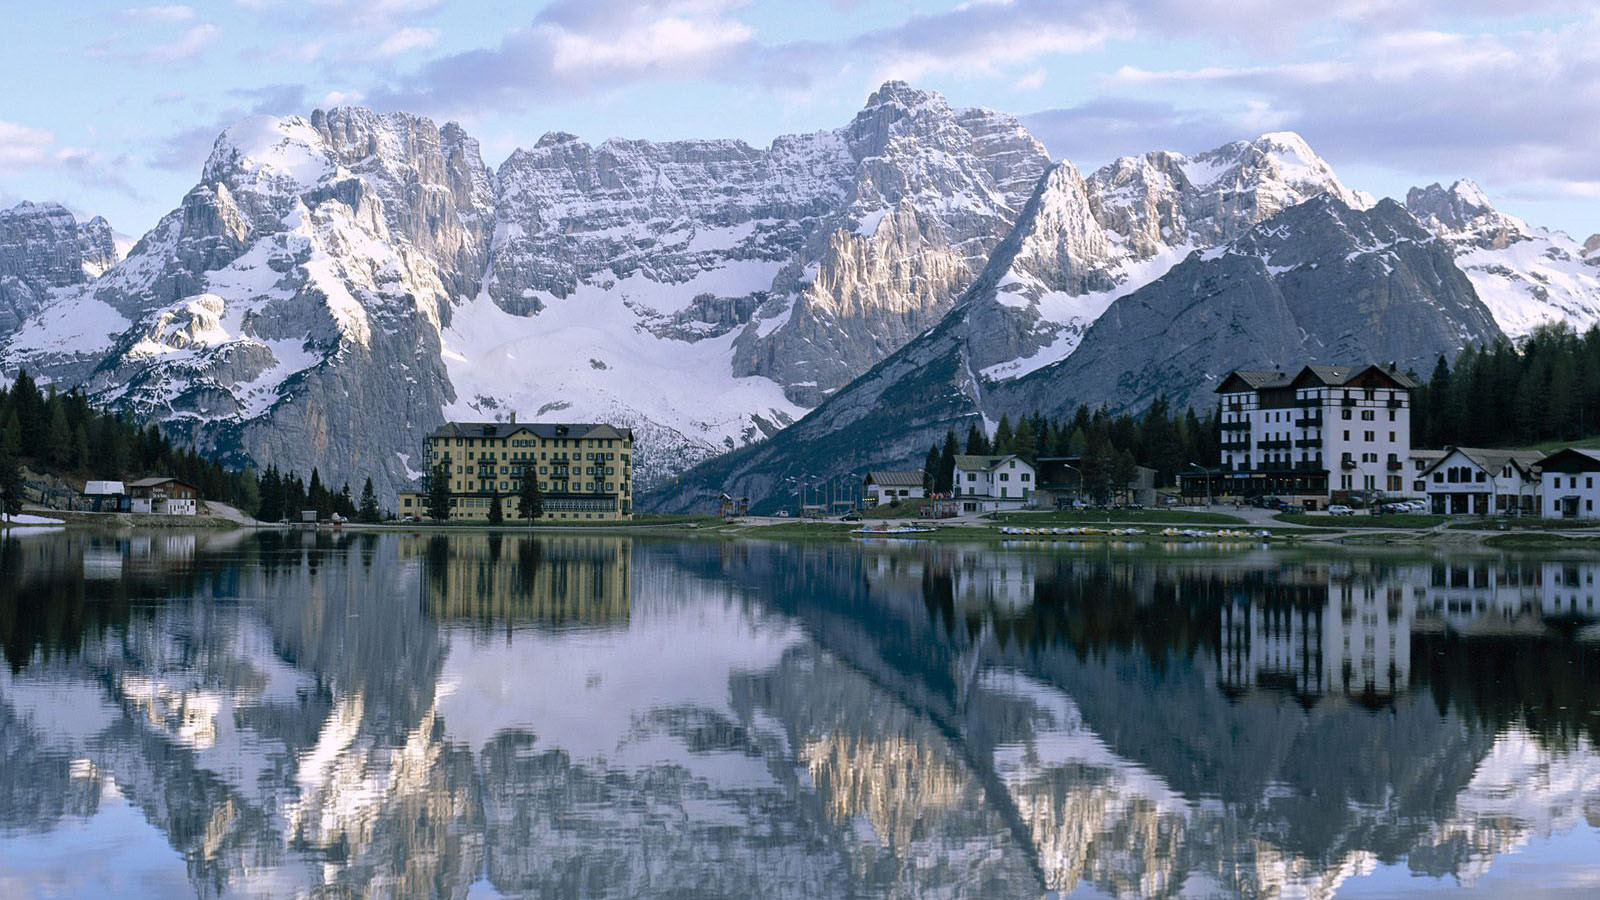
(1527, 276)
(708, 294)
(43, 247)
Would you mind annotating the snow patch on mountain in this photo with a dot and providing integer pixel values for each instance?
(589, 356)
(1527, 276)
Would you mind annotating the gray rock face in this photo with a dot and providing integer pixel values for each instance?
(337, 285)
(289, 311)
(1319, 282)
(931, 192)
(1527, 276)
(44, 247)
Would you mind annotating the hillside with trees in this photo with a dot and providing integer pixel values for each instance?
(1109, 446)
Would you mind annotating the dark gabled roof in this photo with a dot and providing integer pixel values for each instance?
(972, 463)
(1331, 376)
(887, 478)
(1492, 460)
(1251, 380)
(499, 430)
(1571, 459)
(159, 481)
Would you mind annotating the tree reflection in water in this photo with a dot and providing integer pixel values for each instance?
(593, 716)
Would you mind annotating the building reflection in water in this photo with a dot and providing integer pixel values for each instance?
(591, 716)
(512, 580)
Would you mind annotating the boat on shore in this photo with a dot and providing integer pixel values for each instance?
(871, 531)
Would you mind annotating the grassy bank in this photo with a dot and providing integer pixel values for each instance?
(1403, 521)
(1116, 517)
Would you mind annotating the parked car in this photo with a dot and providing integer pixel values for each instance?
(850, 517)
(1339, 509)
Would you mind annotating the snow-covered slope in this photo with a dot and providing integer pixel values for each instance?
(336, 286)
(44, 252)
(1527, 276)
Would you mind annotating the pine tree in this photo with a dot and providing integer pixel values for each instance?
(58, 436)
(439, 493)
(947, 464)
(1003, 437)
(369, 503)
(10, 484)
(977, 441)
(317, 495)
(930, 469)
(530, 501)
(1025, 441)
(496, 514)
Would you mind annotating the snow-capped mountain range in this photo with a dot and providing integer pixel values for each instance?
(337, 285)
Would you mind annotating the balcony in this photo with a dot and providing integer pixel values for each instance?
(1309, 421)
(1236, 445)
(1308, 443)
(1396, 403)
(1347, 463)
(1396, 465)
(1235, 426)
(1348, 401)
(1275, 445)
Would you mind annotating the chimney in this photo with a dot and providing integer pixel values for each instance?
(513, 417)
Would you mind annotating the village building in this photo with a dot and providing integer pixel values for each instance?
(1420, 461)
(1569, 484)
(990, 483)
(163, 497)
(1060, 484)
(585, 471)
(105, 496)
(1467, 481)
(885, 486)
(1321, 434)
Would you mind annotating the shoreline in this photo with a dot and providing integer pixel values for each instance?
(977, 531)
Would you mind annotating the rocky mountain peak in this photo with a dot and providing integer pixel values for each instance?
(43, 248)
(1462, 207)
(899, 93)
(1591, 250)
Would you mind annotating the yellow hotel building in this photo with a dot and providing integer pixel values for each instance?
(585, 471)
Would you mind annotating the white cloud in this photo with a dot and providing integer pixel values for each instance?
(169, 13)
(407, 39)
(1032, 81)
(21, 146)
(184, 46)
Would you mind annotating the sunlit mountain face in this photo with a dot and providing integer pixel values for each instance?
(593, 716)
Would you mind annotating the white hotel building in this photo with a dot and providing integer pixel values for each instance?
(1322, 434)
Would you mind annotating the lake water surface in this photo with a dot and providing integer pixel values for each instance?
(588, 716)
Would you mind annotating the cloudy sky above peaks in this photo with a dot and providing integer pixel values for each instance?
(112, 107)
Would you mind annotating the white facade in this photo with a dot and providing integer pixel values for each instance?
(1351, 423)
(1569, 485)
(990, 483)
(1468, 481)
(886, 487)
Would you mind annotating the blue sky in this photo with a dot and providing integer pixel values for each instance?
(111, 107)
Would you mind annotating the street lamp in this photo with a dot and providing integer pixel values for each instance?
(1078, 494)
(1207, 472)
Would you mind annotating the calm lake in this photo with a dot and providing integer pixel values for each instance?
(588, 716)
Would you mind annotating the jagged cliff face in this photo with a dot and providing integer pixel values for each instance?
(1318, 282)
(43, 247)
(336, 286)
(1527, 276)
(289, 311)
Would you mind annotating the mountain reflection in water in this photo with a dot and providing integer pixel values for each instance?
(594, 716)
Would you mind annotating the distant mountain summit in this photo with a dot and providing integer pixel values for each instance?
(44, 248)
(337, 285)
